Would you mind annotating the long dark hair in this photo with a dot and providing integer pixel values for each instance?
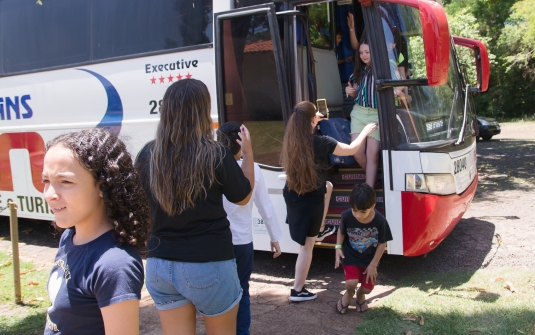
(106, 158)
(185, 154)
(297, 157)
(359, 64)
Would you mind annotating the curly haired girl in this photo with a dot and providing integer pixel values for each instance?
(97, 199)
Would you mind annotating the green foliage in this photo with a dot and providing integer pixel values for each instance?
(318, 18)
(455, 6)
(463, 23)
(507, 27)
(519, 38)
(416, 47)
(493, 14)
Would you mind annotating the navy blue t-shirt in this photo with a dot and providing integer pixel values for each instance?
(88, 277)
(361, 239)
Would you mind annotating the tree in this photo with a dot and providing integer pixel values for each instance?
(521, 31)
(507, 27)
(463, 23)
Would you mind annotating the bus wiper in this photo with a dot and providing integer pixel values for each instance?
(384, 83)
(461, 134)
(290, 13)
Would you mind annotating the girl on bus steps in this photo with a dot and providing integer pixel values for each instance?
(305, 158)
(361, 86)
(185, 173)
(95, 194)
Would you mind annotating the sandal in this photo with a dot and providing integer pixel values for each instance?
(340, 308)
(360, 305)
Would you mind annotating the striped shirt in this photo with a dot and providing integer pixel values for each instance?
(366, 90)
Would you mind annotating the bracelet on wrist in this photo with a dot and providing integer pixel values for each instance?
(351, 29)
(338, 246)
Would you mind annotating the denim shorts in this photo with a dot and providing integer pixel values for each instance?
(212, 287)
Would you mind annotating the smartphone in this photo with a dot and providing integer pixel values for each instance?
(322, 107)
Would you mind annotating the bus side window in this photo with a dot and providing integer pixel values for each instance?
(250, 83)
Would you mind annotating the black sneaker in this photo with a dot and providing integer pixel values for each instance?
(303, 295)
(328, 230)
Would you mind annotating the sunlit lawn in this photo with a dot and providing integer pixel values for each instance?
(28, 318)
(457, 303)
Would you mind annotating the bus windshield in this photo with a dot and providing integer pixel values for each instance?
(424, 113)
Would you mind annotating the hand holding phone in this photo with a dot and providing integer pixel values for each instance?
(322, 107)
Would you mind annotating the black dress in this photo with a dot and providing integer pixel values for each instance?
(305, 212)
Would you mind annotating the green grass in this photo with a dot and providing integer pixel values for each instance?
(28, 318)
(467, 303)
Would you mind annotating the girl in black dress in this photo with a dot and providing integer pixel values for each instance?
(305, 158)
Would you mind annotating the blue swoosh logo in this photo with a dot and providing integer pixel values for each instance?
(113, 118)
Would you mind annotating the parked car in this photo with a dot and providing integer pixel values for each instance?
(488, 127)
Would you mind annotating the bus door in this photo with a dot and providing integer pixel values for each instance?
(251, 88)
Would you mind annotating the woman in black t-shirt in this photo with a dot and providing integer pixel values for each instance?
(185, 172)
(305, 157)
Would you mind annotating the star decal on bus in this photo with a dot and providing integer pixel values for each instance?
(170, 78)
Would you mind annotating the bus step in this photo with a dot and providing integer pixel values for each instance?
(334, 215)
(340, 197)
(353, 176)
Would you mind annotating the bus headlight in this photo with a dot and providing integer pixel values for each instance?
(415, 182)
(442, 184)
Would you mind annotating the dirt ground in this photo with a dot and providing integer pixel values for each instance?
(497, 231)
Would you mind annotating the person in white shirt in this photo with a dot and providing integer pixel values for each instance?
(240, 218)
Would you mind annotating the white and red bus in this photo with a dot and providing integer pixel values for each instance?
(69, 65)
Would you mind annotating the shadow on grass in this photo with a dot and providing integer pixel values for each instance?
(460, 302)
(465, 249)
(498, 321)
(34, 232)
(32, 324)
(505, 164)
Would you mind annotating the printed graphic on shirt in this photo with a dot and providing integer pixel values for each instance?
(54, 285)
(362, 239)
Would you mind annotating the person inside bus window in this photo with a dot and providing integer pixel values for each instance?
(240, 218)
(362, 88)
(91, 186)
(345, 58)
(185, 172)
(398, 63)
(305, 158)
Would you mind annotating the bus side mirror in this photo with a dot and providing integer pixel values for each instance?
(481, 58)
(436, 36)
